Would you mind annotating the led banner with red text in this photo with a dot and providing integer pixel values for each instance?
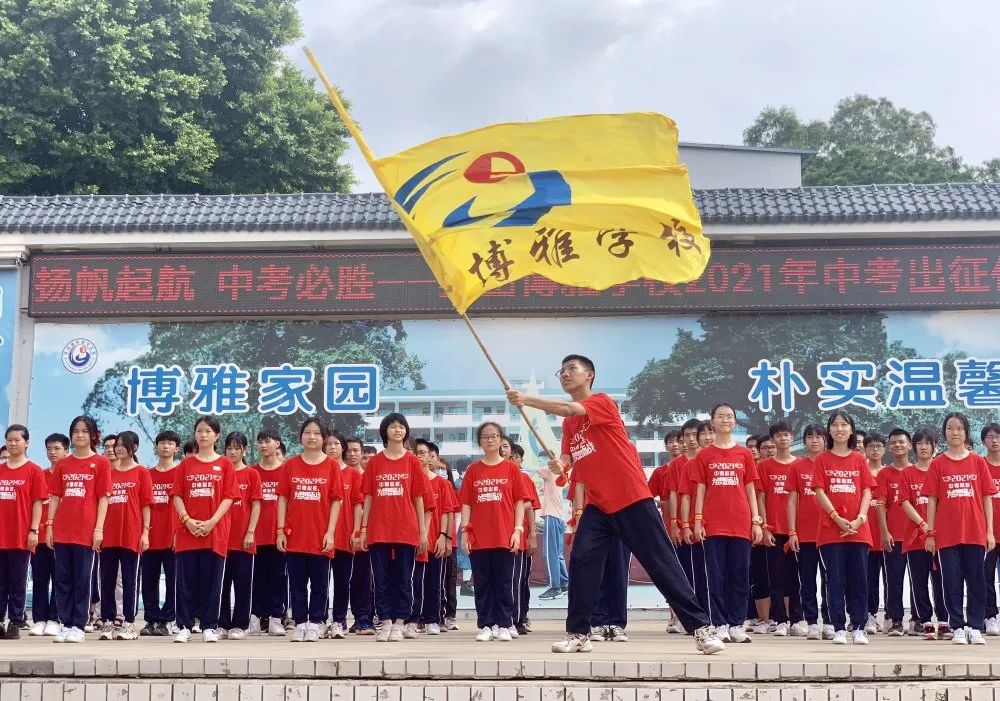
(903, 276)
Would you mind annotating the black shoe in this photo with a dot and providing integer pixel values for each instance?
(564, 590)
(527, 624)
(353, 628)
(148, 629)
(522, 629)
(13, 632)
(550, 593)
(466, 590)
(24, 625)
(161, 630)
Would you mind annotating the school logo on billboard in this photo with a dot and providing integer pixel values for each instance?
(79, 356)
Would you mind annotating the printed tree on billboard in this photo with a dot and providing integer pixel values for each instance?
(710, 367)
(252, 345)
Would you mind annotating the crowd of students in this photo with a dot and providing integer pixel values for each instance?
(726, 532)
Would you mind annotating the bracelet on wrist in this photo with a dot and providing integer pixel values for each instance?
(833, 514)
(686, 525)
(699, 517)
(792, 531)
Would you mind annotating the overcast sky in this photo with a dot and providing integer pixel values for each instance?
(418, 69)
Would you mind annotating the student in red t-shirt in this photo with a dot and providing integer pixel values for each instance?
(43, 560)
(22, 489)
(874, 451)
(493, 497)
(79, 487)
(310, 497)
(529, 546)
(237, 577)
(428, 579)
(126, 535)
(783, 572)
(892, 525)
(803, 525)
(597, 447)
(393, 527)
(958, 490)
(843, 485)
(269, 601)
(343, 561)
(362, 587)
(204, 490)
(160, 555)
(727, 522)
(411, 628)
(759, 604)
(690, 554)
(991, 440)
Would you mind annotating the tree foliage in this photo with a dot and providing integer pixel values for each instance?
(866, 141)
(149, 96)
(253, 345)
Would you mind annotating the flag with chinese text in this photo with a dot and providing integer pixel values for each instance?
(587, 201)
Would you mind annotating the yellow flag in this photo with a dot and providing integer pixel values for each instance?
(588, 201)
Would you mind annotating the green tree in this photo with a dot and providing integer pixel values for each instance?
(253, 345)
(148, 96)
(866, 141)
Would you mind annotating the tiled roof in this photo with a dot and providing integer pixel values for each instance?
(330, 211)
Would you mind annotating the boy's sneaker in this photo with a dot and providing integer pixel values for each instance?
(522, 629)
(275, 627)
(13, 632)
(336, 631)
(107, 631)
(433, 629)
(840, 637)
(503, 635)
(813, 632)
(196, 628)
(895, 630)
(484, 635)
(597, 634)
(526, 624)
(723, 633)
(573, 642)
(976, 637)
(183, 635)
(288, 622)
(75, 636)
(127, 632)
(706, 640)
(396, 634)
(450, 624)
(210, 635)
(992, 626)
(513, 632)
(945, 632)
(860, 637)
(930, 632)
(676, 627)
(312, 632)
(758, 627)
(466, 590)
(37, 629)
(738, 635)
(782, 630)
(52, 628)
(382, 634)
(148, 630)
(616, 634)
(915, 629)
(62, 636)
(254, 627)
(871, 626)
(237, 634)
(173, 628)
(410, 631)
(162, 629)
(800, 629)
(550, 593)
(828, 631)
(958, 637)
(299, 633)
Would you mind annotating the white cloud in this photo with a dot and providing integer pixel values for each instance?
(50, 339)
(975, 332)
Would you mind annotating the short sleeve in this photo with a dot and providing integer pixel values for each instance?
(418, 479)
(145, 488)
(819, 476)
(368, 481)
(985, 478)
(792, 484)
(465, 494)
(102, 483)
(564, 449)
(905, 493)
(256, 491)
(696, 471)
(866, 475)
(601, 409)
(229, 488)
(284, 485)
(177, 489)
(39, 488)
(750, 469)
(931, 480)
(335, 486)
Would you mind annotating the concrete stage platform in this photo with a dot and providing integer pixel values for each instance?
(453, 667)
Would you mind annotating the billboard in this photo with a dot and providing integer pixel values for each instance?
(8, 317)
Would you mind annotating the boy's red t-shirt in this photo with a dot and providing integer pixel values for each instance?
(677, 476)
(658, 482)
(725, 472)
(393, 485)
(774, 478)
(491, 492)
(350, 482)
(267, 522)
(807, 512)
(248, 491)
(447, 503)
(604, 459)
(536, 504)
(203, 486)
(889, 481)
(162, 514)
(911, 488)
(79, 483)
(20, 488)
(311, 491)
(995, 499)
(843, 479)
(959, 486)
(131, 490)
(430, 509)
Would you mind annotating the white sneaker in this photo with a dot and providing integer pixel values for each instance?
(37, 629)
(573, 642)
(781, 630)
(959, 638)
(299, 633)
(172, 628)
(860, 637)
(410, 631)
(61, 636)
(183, 635)
(676, 627)
(336, 631)
(433, 629)
(313, 632)
(221, 633)
(597, 634)
(723, 633)
(738, 635)
(828, 631)
(871, 626)
(382, 634)
(76, 636)
(706, 640)
(758, 628)
(237, 634)
(274, 627)
(127, 632)
(450, 624)
(210, 635)
(976, 637)
(840, 637)
(800, 629)
(396, 634)
(813, 632)
(321, 629)
(107, 632)
(196, 628)
(512, 631)
(484, 635)
(503, 635)
(254, 627)
(992, 627)
(52, 628)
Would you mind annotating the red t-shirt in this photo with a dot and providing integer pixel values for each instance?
(959, 486)
(248, 491)
(774, 478)
(889, 482)
(677, 476)
(491, 492)
(604, 458)
(430, 509)
(393, 485)
(310, 491)
(447, 503)
(350, 481)
(20, 488)
(725, 472)
(911, 487)
(658, 482)
(203, 486)
(536, 504)
(130, 491)
(162, 514)
(843, 479)
(807, 512)
(79, 483)
(995, 499)
(267, 522)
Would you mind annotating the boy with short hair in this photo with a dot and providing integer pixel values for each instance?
(874, 448)
(892, 525)
(361, 574)
(269, 599)
(43, 596)
(160, 555)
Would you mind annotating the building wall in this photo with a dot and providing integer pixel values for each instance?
(712, 169)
